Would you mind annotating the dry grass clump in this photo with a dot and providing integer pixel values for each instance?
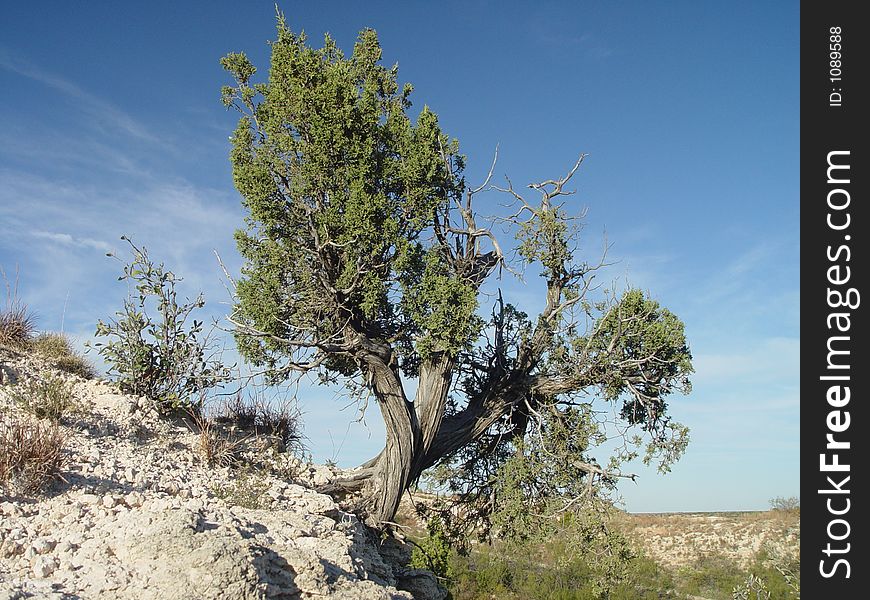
(57, 349)
(259, 417)
(217, 450)
(17, 324)
(31, 454)
(50, 398)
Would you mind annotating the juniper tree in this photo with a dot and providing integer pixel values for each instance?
(364, 263)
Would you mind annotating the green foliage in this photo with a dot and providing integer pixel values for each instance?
(47, 398)
(545, 240)
(433, 552)
(166, 358)
(712, 576)
(635, 328)
(341, 184)
(534, 572)
(57, 349)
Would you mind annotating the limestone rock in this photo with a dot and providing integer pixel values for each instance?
(139, 514)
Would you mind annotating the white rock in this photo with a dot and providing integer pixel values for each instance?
(43, 545)
(133, 499)
(10, 509)
(43, 566)
(90, 499)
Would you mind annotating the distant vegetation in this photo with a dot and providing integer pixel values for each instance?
(556, 569)
(788, 504)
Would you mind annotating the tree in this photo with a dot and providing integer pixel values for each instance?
(364, 265)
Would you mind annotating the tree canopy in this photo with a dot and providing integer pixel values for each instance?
(364, 261)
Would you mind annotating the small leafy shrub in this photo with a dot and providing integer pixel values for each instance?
(168, 358)
(57, 349)
(49, 398)
(17, 323)
(778, 574)
(31, 454)
(751, 589)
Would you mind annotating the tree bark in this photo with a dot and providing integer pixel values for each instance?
(392, 473)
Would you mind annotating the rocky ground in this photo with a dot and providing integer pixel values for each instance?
(140, 514)
(681, 539)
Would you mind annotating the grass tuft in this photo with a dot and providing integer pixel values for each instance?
(31, 454)
(50, 398)
(57, 349)
(17, 325)
(17, 322)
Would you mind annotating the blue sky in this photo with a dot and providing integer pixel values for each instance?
(111, 124)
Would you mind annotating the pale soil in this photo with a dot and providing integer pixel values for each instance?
(680, 539)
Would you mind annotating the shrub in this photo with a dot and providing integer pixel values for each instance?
(167, 358)
(50, 398)
(214, 448)
(712, 576)
(31, 454)
(433, 553)
(752, 588)
(57, 349)
(247, 490)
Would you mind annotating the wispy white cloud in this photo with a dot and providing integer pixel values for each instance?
(54, 228)
(69, 240)
(103, 111)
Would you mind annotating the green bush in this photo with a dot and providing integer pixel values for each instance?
(712, 576)
(57, 349)
(165, 358)
(433, 553)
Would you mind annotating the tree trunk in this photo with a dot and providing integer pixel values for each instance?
(392, 473)
(417, 435)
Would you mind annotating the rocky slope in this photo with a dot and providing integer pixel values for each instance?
(681, 539)
(139, 514)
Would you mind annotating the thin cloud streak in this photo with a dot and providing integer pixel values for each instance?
(103, 111)
(68, 240)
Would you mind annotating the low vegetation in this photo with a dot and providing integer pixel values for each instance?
(17, 322)
(31, 454)
(556, 568)
(251, 413)
(247, 490)
(58, 350)
(49, 397)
